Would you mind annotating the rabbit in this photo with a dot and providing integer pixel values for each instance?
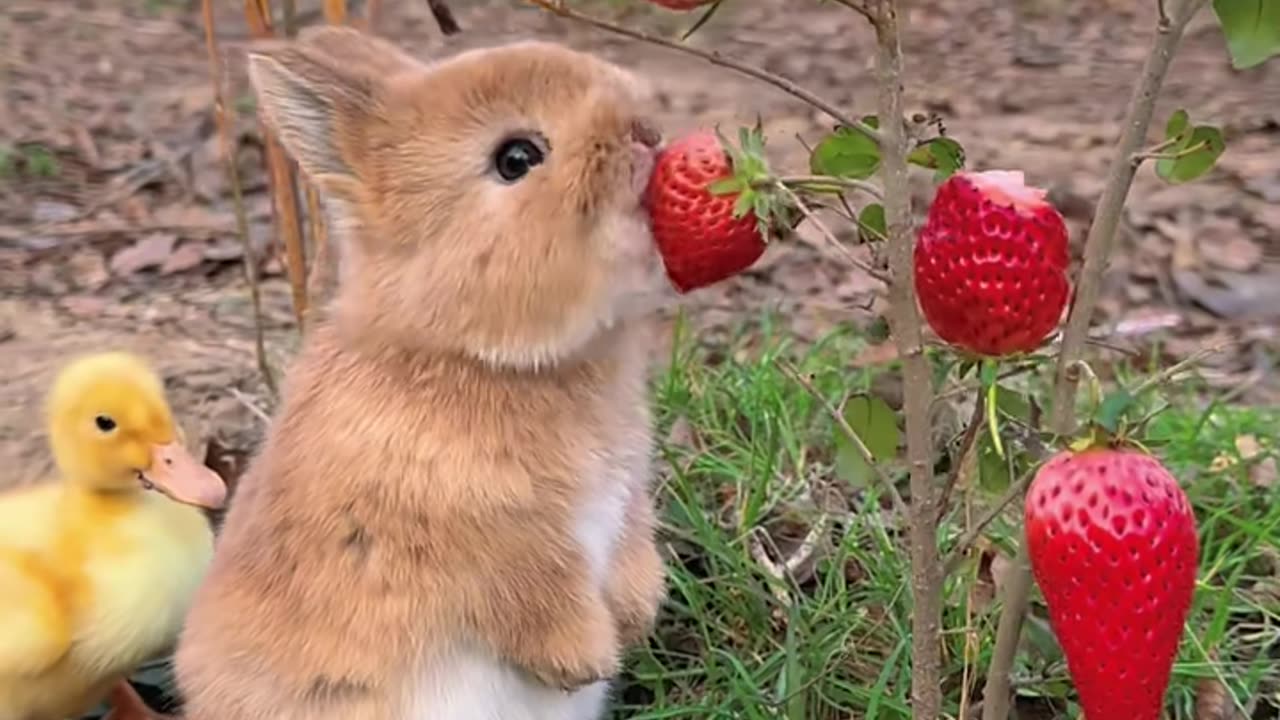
(451, 516)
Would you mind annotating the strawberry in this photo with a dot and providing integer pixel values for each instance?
(700, 240)
(991, 264)
(1112, 542)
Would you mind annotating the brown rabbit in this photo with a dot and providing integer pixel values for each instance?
(450, 517)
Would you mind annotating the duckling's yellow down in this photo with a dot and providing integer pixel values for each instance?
(97, 572)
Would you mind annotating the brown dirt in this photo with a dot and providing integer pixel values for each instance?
(116, 226)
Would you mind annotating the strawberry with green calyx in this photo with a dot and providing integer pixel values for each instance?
(711, 207)
(991, 270)
(1112, 542)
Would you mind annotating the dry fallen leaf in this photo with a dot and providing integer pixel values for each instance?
(1247, 446)
(187, 256)
(1264, 474)
(151, 251)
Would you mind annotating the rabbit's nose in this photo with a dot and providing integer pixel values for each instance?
(645, 133)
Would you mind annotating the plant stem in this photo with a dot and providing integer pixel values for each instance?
(830, 184)
(1097, 247)
(558, 7)
(1097, 252)
(904, 317)
(237, 194)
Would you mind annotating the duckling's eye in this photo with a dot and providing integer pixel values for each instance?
(104, 423)
(515, 157)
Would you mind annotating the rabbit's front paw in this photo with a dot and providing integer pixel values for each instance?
(580, 651)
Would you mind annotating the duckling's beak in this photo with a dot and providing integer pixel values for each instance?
(177, 474)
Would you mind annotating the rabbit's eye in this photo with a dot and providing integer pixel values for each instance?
(515, 157)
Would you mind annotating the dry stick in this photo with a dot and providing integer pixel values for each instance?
(444, 17)
(967, 442)
(237, 193)
(1097, 252)
(558, 7)
(970, 536)
(282, 181)
(904, 319)
(849, 433)
(832, 182)
(335, 12)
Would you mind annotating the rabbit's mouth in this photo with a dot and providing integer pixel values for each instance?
(646, 140)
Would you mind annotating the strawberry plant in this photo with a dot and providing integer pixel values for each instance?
(980, 283)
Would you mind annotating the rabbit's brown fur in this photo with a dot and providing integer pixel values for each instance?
(458, 474)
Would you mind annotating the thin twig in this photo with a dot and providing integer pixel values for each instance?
(282, 180)
(917, 380)
(1186, 363)
(859, 8)
(826, 181)
(830, 236)
(558, 7)
(967, 442)
(335, 12)
(970, 536)
(849, 433)
(251, 406)
(444, 17)
(1138, 157)
(1097, 253)
(237, 193)
(1102, 231)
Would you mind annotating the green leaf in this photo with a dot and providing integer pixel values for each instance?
(993, 470)
(1178, 123)
(1252, 29)
(743, 205)
(1112, 408)
(877, 425)
(1192, 163)
(846, 153)
(725, 186)
(944, 155)
(1013, 404)
(871, 221)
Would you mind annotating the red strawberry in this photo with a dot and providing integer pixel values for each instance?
(699, 239)
(1112, 542)
(991, 264)
(681, 5)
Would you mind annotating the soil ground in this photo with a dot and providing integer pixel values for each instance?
(116, 225)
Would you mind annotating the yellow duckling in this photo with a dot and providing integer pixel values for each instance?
(96, 571)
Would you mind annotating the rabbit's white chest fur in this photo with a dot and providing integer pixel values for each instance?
(476, 687)
(473, 685)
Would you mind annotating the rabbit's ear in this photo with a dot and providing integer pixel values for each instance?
(353, 48)
(316, 108)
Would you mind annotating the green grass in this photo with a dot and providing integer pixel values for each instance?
(748, 449)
